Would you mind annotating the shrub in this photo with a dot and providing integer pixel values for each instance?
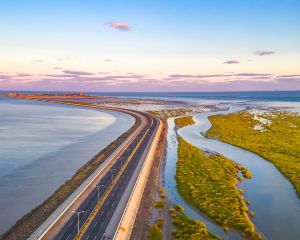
(160, 222)
(155, 233)
(179, 208)
(159, 204)
(189, 229)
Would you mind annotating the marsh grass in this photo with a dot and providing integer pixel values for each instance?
(184, 121)
(159, 204)
(209, 183)
(246, 173)
(279, 143)
(155, 233)
(187, 228)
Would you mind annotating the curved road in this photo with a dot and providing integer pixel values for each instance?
(99, 223)
(100, 205)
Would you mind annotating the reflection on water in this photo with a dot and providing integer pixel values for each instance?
(42, 145)
(272, 197)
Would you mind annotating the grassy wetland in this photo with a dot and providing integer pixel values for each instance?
(209, 183)
(184, 121)
(274, 136)
(187, 228)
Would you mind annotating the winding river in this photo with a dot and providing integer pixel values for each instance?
(272, 197)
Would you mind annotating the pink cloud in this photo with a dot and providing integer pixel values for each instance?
(289, 76)
(264, 53)
(71, 72)
(105, 81)
(232, 62)
(122, 26)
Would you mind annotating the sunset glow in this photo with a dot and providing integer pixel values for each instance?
(150, 45)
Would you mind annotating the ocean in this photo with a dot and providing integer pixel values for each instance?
(272, 96)
(42, 145)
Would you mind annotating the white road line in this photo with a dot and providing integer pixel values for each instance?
(68, 236)
(95, 224)
(53, 218)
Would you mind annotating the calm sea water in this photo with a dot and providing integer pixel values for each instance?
(42, 145)
(289, 100)
(273, 96)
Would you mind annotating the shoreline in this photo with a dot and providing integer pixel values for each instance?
(27, 224)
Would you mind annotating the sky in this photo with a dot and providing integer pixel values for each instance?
(150, 45)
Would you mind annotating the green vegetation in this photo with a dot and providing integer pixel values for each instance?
(246, 173)
(160, 222)
(187, 228)
(155, 233)
(159, 204)
(162, 193)
(278, 142)
(184, 121)
(210, 184)
(161, 190)
(179, 208)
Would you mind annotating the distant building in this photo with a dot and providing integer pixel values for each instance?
(68, 93)
(13, 94)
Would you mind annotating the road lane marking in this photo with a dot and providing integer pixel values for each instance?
(110, 187)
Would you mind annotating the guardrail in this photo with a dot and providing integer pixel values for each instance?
(60, 211)
(123, 233)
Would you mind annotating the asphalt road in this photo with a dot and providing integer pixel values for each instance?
(100, 221)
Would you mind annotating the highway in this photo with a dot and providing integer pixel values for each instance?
(103, 201)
